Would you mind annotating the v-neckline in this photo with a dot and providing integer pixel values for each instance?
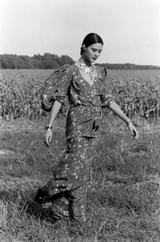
(91, 85)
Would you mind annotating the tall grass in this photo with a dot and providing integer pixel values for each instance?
(137, 94)
(123, 198)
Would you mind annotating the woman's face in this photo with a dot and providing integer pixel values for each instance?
(92, 52)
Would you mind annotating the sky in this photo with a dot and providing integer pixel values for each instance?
(130, 29)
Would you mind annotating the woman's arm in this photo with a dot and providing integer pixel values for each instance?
(53, 114)
(54, 111)
(116, 109)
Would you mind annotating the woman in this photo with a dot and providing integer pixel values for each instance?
(85, 86)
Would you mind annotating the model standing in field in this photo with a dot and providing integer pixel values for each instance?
(85, 86)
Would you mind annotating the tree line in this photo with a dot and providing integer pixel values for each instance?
(52, 61)
(128, 66)
(46, 61)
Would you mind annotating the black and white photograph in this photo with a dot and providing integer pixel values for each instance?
(79, 121)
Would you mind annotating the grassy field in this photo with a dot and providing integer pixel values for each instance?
(123, 201)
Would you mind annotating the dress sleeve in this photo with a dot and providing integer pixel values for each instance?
(56, 87)
(107, 97)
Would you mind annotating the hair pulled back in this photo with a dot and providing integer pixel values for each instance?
(91, 39)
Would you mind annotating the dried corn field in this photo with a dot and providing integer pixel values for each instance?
(137, 92)
(23, 90)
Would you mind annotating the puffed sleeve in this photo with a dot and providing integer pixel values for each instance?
(107, 97)
(56, 87)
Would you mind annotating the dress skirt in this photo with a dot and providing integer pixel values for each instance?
(65, 193)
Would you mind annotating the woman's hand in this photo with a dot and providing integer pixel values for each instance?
(132, 129)
(116, 109)
(48, 137)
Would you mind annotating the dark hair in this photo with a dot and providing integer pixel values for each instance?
(91, 39)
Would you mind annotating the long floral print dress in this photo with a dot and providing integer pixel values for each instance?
(66, 191)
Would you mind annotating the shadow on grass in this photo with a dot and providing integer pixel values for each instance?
(26, 204)
(33, 209)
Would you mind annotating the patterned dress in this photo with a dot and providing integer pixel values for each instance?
(66, 191)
